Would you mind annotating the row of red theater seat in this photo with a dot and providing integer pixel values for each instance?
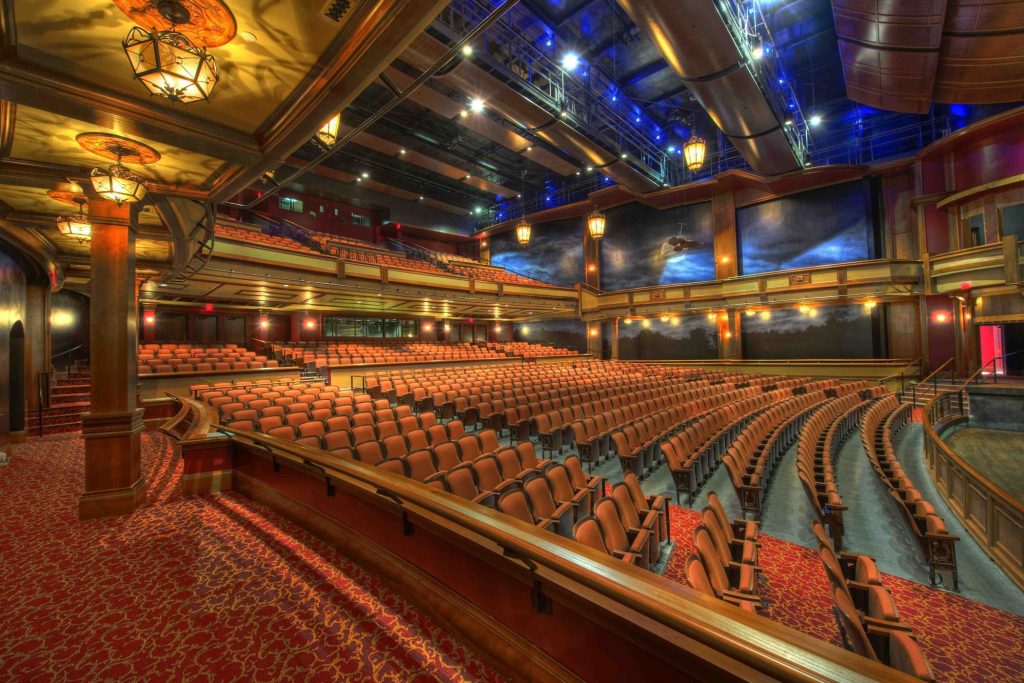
(493, 275)
(935, 542)
(820, 439)
(530, 349)
(628, 525)
(261, 238)
(751, 458)
(866, 613)
(705, 571)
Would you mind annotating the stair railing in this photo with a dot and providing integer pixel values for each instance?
(933, 377)
(43, 388)
(64, 354)
(978, 375)
(901, 375)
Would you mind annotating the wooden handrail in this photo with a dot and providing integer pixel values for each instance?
(772, 649)
(936, 371)
(899, 373)
(992, 362)
(990, 514)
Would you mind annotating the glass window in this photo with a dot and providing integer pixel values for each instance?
(344, 327)
(409, 328)
(360, 219)
(392, 329)
(374, 327)
(290, 204)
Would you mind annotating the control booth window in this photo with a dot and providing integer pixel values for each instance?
(360, 219)
(290, 204)
(344, 327)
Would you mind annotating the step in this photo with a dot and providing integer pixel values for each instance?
(53, 411)
(76, 388)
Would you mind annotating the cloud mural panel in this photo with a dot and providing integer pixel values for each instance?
(830, 225)
(564, 334)
(554, 254)
(635, 250)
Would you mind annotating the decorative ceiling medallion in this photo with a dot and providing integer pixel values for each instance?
(117, 148)
(210, 23)
(67, 193)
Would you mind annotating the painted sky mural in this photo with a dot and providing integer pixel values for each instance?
(554, 254)
(830, 225)
(682, 338)
(635, 250)
(822, 332)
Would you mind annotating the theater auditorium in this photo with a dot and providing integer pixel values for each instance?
(512, 340)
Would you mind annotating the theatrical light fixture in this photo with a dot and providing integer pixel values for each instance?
(757, 52)
(467, 50)
(167, 62)
(523, 232)
(570, 60)
(693, 152)
(328, 133)
(815, 120)
(77, 225)
(118, 184)
(595, 224)
(476, 105)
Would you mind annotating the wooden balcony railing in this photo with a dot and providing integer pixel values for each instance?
(990, 514)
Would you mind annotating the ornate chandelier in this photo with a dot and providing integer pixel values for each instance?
(118, 184)
(167, 62)
(77, 225)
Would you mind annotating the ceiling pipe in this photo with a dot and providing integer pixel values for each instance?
(696, 43)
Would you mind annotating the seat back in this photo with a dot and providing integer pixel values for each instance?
(851, 626)
(514, 502)
(588, 532)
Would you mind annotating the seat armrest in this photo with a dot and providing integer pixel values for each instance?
(632, 558)
(639, 540)
(488, 498)
(883, 626)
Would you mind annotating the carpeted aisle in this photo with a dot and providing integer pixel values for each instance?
(208, 588)
(964, 640)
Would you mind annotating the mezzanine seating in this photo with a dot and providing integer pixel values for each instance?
(187, 357)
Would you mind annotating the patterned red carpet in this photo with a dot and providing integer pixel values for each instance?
(964, 640)
(211, 588)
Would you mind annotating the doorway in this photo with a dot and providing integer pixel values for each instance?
(16, 378)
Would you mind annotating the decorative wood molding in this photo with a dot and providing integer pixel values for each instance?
(513, 655)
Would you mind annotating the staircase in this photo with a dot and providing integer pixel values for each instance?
(920, 394)
(69, 400)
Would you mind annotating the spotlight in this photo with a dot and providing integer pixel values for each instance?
(563, 113)
(476, 105)
(590, 168)
(402, 151)
(463, 113)
(467, 50)
(757, 52)
(570, 60)
(364, 175)
(815, 120)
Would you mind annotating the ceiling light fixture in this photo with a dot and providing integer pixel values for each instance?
(523, 232)
(596, 222)
(693, 152)
(328, 133)
(119, 184)
(167, 62)
(78, 225)
(476, 105)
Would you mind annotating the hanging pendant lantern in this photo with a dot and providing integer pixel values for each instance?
(77, 225)
(328, 133)
(523, 232)
(595, 224)
(693, 153)
(118, 184)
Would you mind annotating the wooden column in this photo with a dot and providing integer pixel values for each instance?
(723, 208)
(729, 335)
(615, 339)
(113, 426)
(37, 339)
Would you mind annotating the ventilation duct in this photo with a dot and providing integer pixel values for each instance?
(695, 41)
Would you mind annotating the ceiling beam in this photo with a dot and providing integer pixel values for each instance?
(34, 86)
